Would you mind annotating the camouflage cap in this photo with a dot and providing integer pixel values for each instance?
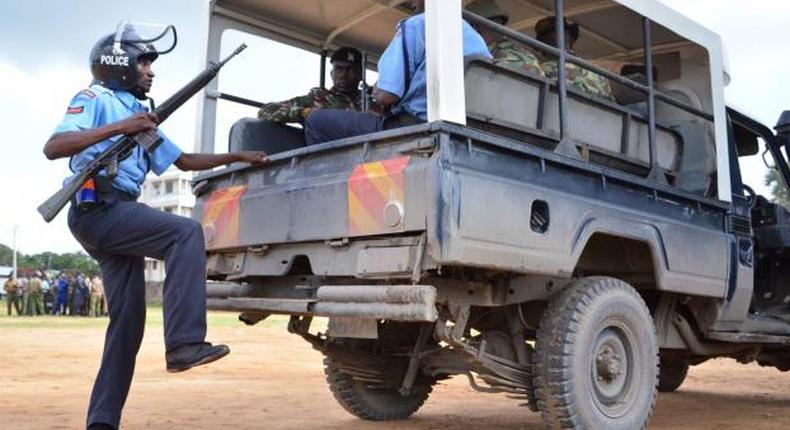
(489, 9)
(546, 25)
(347, 54)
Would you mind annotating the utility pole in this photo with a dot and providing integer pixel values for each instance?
(14, 245)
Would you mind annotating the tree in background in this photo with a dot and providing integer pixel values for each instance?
(778, 190)
(6, 255)
(50, 260)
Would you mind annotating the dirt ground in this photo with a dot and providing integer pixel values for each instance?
(273, 380)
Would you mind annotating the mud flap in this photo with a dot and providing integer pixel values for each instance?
(357, 328)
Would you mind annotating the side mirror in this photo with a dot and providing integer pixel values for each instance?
(783, 125)
(783, 132)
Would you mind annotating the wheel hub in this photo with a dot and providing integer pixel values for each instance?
(612, 370)
(609, 364)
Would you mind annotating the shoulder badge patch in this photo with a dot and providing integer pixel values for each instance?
(87, 93)
(73, 110)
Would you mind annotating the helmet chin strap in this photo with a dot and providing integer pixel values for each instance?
(139, 93)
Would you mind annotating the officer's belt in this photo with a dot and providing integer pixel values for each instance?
(113, 195)
(105, 192)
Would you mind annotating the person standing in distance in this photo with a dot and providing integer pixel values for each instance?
(119, 232)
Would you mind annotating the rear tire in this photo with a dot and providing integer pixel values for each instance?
(672, 375)
(377, 403)
(597, 358)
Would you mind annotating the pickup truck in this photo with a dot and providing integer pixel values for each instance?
(576, 252)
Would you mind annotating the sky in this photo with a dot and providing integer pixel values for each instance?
(44, 47)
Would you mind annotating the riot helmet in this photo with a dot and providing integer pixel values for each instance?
(114, 57)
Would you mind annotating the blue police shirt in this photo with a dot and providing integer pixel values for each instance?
(402, 66)
(99, 106)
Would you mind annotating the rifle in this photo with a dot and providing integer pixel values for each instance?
(149, 140)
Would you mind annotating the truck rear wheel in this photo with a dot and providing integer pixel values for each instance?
(374, 404)
(597, 357)
(374, 401)
(672, 375)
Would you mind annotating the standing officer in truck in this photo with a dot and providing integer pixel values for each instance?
(119, 232)
(401, 89)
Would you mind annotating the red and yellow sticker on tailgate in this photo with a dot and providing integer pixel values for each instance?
(221, 217)
(376, 196)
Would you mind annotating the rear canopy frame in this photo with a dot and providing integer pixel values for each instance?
(446, 95)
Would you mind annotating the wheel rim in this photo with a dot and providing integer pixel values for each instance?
(613, 369)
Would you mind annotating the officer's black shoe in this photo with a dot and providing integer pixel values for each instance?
(100, 426)
(194, 354)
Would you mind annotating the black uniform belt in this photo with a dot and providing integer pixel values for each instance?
(104, 197)
(112, 195)
(105, 191)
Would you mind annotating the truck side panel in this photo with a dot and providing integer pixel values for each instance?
(488, 220)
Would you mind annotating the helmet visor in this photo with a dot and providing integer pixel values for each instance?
(156, 39)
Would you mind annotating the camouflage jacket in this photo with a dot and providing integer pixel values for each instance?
(298, 108)
(584, 80)
(512, 55)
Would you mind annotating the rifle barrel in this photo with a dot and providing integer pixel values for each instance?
(196, 84)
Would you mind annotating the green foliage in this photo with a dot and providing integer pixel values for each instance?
(6, 255)
(50, 261)
(778, 190)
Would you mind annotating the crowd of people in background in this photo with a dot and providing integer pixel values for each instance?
(73, 294)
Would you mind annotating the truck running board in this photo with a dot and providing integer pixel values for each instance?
(391, 302)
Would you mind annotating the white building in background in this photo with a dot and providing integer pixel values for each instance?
(172, 193)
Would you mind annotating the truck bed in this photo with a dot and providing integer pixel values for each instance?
(360, 206)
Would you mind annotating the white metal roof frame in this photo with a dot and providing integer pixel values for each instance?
(444, 62)
(695, 32)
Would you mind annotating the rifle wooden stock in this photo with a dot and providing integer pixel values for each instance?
(149, 140)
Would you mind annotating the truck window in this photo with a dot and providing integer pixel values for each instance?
(759, 172)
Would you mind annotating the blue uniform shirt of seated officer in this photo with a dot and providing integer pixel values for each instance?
(120, 232)
(401, 88)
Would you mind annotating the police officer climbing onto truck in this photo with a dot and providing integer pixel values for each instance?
(120, 232)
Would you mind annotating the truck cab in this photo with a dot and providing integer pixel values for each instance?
(577, 252)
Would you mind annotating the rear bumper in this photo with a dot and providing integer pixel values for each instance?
(391, 302)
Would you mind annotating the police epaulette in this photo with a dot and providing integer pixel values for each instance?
(87, 93)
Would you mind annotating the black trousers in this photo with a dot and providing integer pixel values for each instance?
(324, 125)
(119, 234)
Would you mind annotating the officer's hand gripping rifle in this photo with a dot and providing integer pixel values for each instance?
(149, 140)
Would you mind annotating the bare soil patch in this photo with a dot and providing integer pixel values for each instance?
(274, 380)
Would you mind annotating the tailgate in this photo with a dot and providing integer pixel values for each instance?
(326, 192)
